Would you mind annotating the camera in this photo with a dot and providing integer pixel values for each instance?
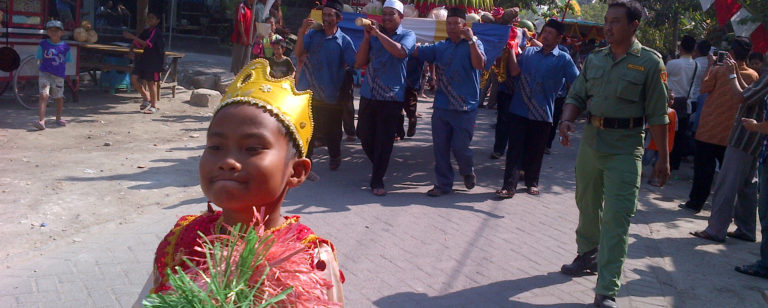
(721, 55)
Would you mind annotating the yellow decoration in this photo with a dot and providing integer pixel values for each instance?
(576, 8)
(278, 97)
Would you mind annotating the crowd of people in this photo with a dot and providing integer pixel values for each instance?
(707, 104)
(704, 104)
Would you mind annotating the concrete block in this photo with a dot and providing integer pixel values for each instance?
(203, 82)
(204, 98)
(224, 80)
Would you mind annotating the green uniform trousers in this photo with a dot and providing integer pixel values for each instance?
(606, 195)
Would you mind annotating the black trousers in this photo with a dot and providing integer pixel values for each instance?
(409, 106)
(558, 114)
(704, 172)
(527, 141)
(682, 143)
(346, 100)
(376, 126)
(327, 125)
(503, 99)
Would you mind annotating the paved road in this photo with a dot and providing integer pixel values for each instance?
(409, 250)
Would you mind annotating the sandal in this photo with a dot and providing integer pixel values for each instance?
(61, 122)
(334, 164)
(151, 110)
(532, 190)
(39, 125)
(144, 105)
(380, 192)
(753, 270)
(505, 193)
(706, 236)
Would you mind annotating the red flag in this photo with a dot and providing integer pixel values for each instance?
(725, 9)
(760, 39)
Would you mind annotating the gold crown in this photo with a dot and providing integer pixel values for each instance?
(278, 97)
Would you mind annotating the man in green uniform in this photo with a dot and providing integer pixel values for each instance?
(622, 88)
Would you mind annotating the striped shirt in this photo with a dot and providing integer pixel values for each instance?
(752, 108)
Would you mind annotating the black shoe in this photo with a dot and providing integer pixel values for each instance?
(496, 155)
(470, 180)
(436, 192)
(547, 151)
(740, 236)
(411, 127)
(604, 301)
(686, 206)
(582, 264)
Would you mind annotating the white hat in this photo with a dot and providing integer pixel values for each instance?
(395, 4)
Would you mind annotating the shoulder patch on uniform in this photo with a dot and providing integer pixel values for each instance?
(654, 52)
(636, 67)
(664, 76)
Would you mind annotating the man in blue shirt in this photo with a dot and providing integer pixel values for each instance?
(329, 53)
(539, 73)
(458, 62)
(384, 51)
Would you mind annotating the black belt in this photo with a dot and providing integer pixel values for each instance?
(615, 123)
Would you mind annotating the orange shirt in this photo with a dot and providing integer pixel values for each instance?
(722, 103)
(671, 128)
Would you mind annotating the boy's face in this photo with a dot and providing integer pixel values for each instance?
(277, 49)
(152, 20)
(245, 163)
(54, 33)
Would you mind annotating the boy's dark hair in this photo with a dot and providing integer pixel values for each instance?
(556, 25)
(703, 47)
(633, 8)
(756, 56)
(741, 47)
(687, 43)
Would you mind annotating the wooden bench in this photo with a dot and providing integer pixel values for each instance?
(92, 59)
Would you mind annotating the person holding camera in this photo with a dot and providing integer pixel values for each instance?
(735, 192)
(722, 104)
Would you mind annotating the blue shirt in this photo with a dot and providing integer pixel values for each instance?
(328, 57)
(541, 77)
(458, 82)
(53, 57)
(63, 5)
(385, 73)
(414, 69)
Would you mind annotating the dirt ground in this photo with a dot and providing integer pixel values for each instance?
(108, 165)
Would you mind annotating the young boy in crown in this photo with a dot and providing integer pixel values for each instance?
(255, 152)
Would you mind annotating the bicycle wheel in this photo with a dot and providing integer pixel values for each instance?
(4, 85)
(25, 83)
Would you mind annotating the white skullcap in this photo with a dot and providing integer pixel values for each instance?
(395, 4)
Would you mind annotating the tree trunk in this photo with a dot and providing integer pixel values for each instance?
(675, 33)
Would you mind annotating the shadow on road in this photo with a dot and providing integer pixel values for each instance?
(497, 294)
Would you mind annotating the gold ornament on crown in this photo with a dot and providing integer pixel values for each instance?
(278, 97)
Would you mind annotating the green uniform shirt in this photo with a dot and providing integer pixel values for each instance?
(630, 87)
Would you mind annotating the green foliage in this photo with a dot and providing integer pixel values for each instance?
(594, 12)
(229, 286)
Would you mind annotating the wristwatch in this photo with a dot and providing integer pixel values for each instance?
(732, 76)
(473, 40)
